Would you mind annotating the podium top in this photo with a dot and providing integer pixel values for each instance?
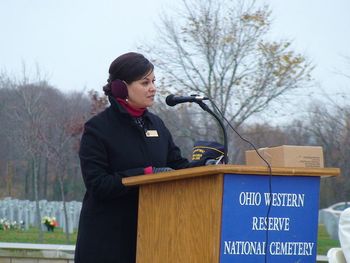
(227, 169)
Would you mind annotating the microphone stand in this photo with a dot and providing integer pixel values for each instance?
(207, 109)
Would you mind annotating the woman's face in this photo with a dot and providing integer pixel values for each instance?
(141, 92)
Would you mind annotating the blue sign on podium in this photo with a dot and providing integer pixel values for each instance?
(279, 223)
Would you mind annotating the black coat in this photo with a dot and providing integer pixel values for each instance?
(113, 147)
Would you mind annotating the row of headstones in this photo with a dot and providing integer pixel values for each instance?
(25, 211)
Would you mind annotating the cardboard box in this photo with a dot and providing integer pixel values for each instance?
(287, 156)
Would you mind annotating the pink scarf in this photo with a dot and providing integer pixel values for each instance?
(134, 112)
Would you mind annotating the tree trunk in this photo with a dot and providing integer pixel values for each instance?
(26, 181)
(45, 177)
(32, 194)
(36, 195)
(9, 178)
(64, 208)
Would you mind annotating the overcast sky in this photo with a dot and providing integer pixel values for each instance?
(73, 41)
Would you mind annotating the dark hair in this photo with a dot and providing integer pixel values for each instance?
(128, 67)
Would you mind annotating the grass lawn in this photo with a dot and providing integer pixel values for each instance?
(58, 237)
(31, 236)
(324, 243)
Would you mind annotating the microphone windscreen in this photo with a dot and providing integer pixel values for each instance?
(170, 100)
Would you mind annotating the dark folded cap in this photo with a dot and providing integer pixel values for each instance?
(204, 150)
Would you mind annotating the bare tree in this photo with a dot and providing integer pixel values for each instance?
(29, 114)
(220, 49)
(186, 125)
(330, 127)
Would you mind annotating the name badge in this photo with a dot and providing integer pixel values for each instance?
(151, 133)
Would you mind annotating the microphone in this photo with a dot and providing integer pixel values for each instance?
(173, 100)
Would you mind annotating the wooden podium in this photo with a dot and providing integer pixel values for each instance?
(214, 214)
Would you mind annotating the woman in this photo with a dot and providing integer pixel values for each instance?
(123, 140)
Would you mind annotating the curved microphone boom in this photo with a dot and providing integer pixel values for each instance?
(173, 100)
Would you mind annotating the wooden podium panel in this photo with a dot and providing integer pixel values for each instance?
(173, 211)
